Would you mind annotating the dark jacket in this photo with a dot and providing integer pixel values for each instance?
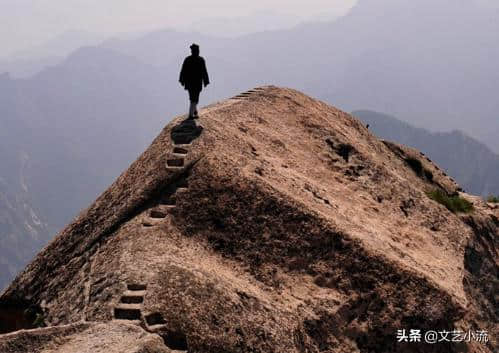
(194, 74)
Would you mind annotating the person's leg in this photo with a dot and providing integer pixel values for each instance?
(192, 109)
(195, 99)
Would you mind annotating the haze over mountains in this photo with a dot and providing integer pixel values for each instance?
(22, 232)
(471, 163)
(71, 125)
(82, 121)
(432, 62)
(25, 63)
(259, 21)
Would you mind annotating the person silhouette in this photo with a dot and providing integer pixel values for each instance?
(193, 76)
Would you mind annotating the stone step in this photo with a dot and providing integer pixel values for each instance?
(175, 162)
(157, 213)
(165, 208)
(125, 306)
(174, 168)
(136, 287)
(135, 322)
(180, 150)
(132, 299)
(141, 293)
(127, 312)
(155, 328)
(168, 201)
(154, 319)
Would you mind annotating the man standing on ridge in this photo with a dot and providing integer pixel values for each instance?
(193, 76)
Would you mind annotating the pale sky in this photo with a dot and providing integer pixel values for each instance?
(25, 23)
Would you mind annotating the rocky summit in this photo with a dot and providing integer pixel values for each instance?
(273, 223)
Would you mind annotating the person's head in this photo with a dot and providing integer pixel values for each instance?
(195, 49)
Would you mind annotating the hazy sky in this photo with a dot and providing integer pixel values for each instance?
(25, 23)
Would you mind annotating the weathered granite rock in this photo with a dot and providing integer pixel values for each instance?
(286, 227)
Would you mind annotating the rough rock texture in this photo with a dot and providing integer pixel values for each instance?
(285, 226)
(109, 337)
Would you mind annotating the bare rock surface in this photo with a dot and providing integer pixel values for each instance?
(111, 337)
(275, 223)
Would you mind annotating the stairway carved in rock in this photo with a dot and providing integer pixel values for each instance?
(248, 93)
(131, 305)
(182, 136)
(130, 309)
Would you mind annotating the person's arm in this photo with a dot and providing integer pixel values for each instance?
(206, 79)
(182, 74)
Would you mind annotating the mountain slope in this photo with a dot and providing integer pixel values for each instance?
(26, 63)
(470, 162)
(83, 120)
(276, 223)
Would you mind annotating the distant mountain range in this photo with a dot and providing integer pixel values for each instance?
(469, 161)
(25, 63)
(431, 62)
(23, 230)
(82, 121)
